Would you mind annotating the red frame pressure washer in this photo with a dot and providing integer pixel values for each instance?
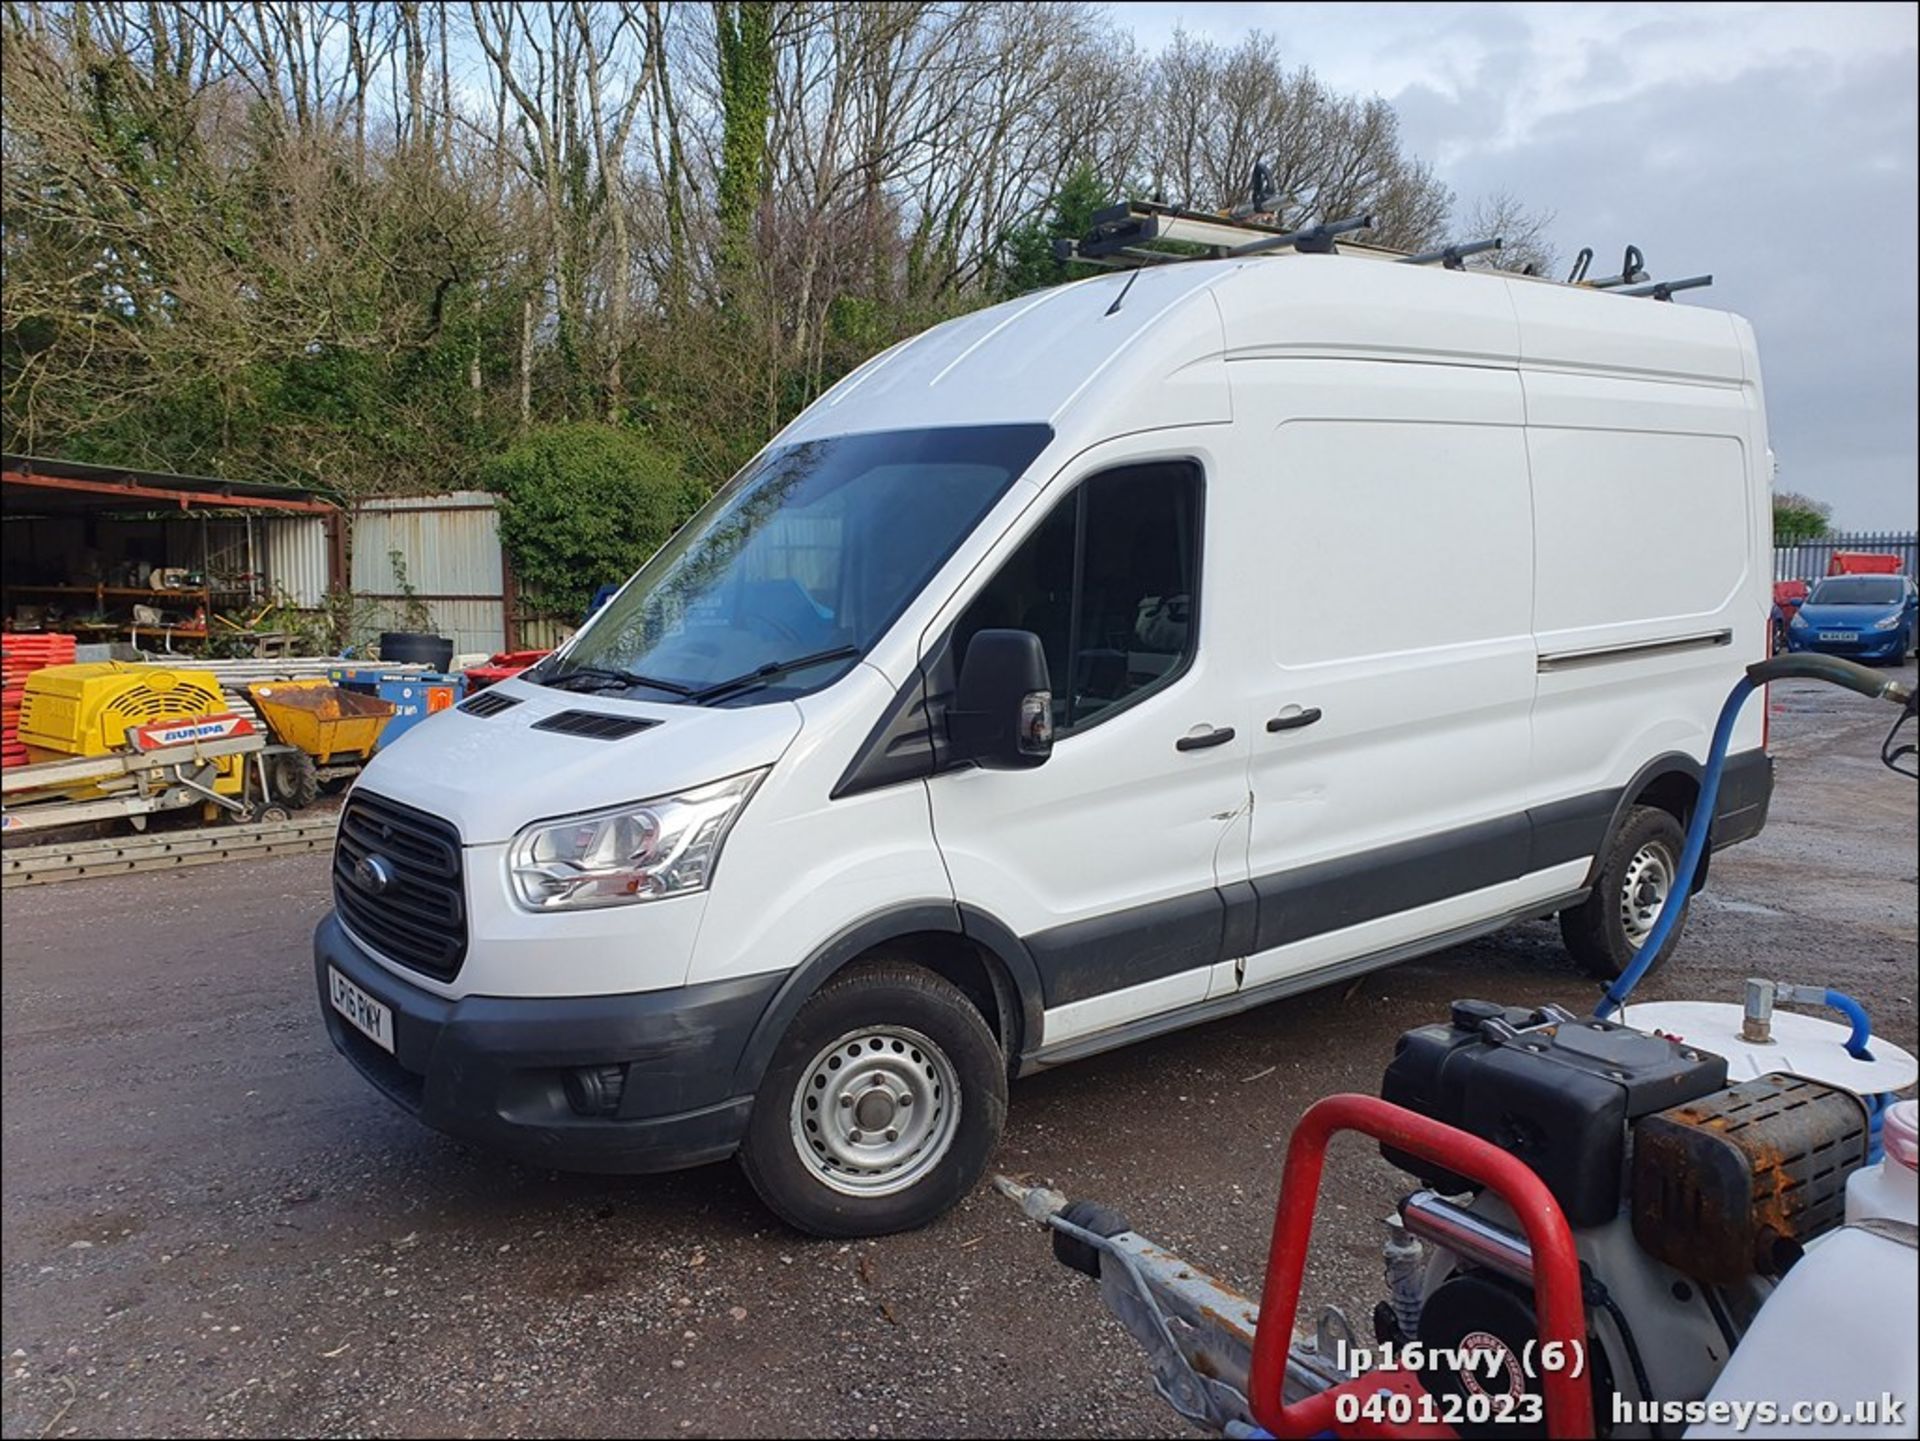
(1557, 1298)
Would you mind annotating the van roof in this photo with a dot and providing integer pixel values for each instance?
(1132, 350)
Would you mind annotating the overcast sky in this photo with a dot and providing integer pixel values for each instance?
(1772, 145)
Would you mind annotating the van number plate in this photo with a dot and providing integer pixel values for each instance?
(363, 1012)
(1840, 635)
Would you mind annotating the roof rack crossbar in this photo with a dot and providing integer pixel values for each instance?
(1314, 240)
(1452, 256)
(1663, 289)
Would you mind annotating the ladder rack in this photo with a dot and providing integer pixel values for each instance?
(1121, 234)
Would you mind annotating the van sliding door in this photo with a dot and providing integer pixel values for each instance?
(1395, 677)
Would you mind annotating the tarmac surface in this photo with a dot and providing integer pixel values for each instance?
(212, 1226)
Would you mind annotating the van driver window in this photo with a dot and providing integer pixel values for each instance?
(1108, 582)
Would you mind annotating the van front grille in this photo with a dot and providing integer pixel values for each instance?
(397, 884)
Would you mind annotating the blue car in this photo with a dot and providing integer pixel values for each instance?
(1862, 617)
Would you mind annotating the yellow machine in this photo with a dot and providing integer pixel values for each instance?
(87, 710)
(328, 722)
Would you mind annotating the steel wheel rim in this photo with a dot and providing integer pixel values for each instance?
(1646, 890)
(876, 1111)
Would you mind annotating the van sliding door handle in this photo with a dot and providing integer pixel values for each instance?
(1205, 739)
(1292, 720)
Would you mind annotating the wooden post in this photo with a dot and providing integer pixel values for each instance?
(509, 604)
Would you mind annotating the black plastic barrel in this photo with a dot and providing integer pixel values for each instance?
(411, 647)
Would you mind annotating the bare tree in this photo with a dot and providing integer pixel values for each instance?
(1219, 112)
(1522, 231)
(288, 235)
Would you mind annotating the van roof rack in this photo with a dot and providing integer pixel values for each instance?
(1121, 234)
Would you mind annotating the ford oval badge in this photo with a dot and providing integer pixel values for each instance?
(373, 873)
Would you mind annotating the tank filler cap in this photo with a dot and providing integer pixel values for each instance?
(1468, 1015)
(1900, 1133)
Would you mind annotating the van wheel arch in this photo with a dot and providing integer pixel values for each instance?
(1003, 987)
(1671, 783)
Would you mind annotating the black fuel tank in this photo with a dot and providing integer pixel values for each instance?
(1557, 1091)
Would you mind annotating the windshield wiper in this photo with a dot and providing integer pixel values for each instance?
(604, 678)
(772, 670)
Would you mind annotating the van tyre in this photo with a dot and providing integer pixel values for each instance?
(881, 1106)
(1634, 881)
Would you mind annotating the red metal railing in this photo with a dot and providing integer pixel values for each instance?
(1568, 1396)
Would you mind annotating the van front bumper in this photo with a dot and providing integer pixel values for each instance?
(498, 1070)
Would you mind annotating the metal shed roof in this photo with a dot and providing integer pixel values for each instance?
(43, 485)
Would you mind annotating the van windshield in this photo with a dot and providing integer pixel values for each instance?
(1859, 590)
(797, 566)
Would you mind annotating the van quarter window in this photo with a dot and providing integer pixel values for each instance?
(1110, 579)
(788, 575)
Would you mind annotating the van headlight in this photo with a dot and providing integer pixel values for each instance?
(644, 851)
(1888, 622)
(1799, 622)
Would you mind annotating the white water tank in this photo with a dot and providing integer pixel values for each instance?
(1890, 1191)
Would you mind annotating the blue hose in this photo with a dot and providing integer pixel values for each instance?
(1856, 1013)
(1830, 669)
(1696, 846)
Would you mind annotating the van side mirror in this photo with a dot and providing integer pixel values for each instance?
(1001, 718)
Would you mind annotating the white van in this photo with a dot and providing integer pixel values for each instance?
(1101, 663)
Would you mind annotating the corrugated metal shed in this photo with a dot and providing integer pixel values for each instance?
(474, 626)
(448, 552)
(73, 548)
(544, 632)
(449, 546)
(295, 549)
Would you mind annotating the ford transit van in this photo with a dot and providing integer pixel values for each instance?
(1104, 662)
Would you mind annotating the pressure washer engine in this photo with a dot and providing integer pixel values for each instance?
(1688, 1198)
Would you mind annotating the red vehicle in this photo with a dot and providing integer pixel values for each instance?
(507, 663)
(1788, 597)
(1863, 562)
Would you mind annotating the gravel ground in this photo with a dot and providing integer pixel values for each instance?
(212, 1226)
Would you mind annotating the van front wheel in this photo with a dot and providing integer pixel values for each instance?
(1634, 884)
(881, 1108)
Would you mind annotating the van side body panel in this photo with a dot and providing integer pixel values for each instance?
(1651, 478)
(1651, 596)
(1484, 753)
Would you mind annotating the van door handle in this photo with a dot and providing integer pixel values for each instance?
(1294, 719)
(1204, 740)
